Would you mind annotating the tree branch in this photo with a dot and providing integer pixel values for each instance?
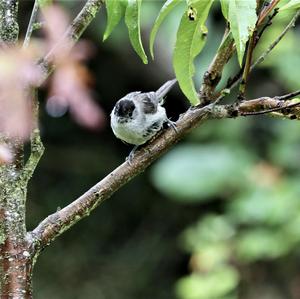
(72, 34)
(37, 147)
(264, 13)
(57, 223)
(213, 75)
(54, 225)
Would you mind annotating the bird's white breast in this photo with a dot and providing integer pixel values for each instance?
(134, 131)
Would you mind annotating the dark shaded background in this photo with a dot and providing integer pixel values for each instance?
(131, 246)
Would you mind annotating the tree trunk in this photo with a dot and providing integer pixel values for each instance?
(16, 270)
(16, 255)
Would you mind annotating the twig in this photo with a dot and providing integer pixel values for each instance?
(30, 27)
(37, 147)
(267, 24)
(213, 75)
(72, 34)
(252, 43)
(282, 107)
(232, 83)
(266, 11)
(247, 64)
(287, 96)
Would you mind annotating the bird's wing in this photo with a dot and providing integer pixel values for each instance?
(149, 101)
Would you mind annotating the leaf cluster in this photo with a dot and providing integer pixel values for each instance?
(243, 19)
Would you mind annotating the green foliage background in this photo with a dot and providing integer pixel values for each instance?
(216, 218)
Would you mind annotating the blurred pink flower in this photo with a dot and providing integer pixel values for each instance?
(70, 87)
(18, 74)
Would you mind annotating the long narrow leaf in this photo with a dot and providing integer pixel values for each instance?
(132, 20)
(165, 10)
(242, 18)
(191, 38)
(115, 11)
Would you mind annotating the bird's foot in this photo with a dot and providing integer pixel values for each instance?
(130, 157)
(172, 124)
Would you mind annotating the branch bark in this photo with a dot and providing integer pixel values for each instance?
(71, 36)
(213, 75)
(15, 259)
(37, 147)
(9, 28)
(54, 225)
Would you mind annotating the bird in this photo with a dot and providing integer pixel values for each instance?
(138, 116)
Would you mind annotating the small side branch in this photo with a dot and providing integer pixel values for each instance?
(37, 150)
(265, 12)
(72, 34)
(37, 147)
(268, 105)
(30, 27)
(213, 75)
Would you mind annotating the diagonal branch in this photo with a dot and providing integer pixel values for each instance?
(31, 23)
(73, 32)
(57, 223)
(54, 225)
(71, 36)
(213, 75)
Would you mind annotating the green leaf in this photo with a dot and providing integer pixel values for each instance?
(191, 38)
(115, 11)
(242, 18)
(165, 10)
(293, 4)
(225, 8)
(132, 20)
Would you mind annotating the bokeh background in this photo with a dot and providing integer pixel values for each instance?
(218, 217)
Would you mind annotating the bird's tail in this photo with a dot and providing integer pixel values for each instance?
(163, 90)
